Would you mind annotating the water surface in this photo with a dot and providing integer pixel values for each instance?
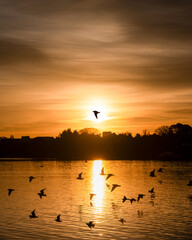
(166, 215)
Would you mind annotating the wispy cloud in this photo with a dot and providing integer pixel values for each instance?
(15, 52)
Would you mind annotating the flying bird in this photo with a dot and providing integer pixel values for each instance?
(10, 190)
(33, 215)
(102, 171)
(80, 176)
(122, 220)
(90, 224)
(132, 200)
(41, 193)
(96, 113)
(140, 196)
(108, 185)
(58, 218)
(108, 176)
(31, 178)
(160, 170)
(114, 186)
(124, 199)
(152, 190)
(152, 173)
(92, 195)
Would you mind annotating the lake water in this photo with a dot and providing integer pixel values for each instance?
(167, 214)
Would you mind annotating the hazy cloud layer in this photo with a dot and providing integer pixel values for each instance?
(14, 52)
(146, 43)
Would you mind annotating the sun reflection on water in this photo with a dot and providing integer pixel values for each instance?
(98, 183)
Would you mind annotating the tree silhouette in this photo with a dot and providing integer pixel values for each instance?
(167, 143)
(163, 130)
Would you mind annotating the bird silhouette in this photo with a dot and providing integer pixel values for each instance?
(160, 170)
(108, 176)
(114, 186)
(92, 195)
(122, 220)
(33, 215)
(31, 178)
(96, 113)
(140, 196)
(108, 185)
(152, 173)
(41, 193)
(152, 190)
(58, 218)
(132, 200)
(80, 176)
(190, 183)
(102, 171)
(124, 199)
(90, 224)
(10, 190)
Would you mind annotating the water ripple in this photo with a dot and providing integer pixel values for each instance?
(165, 216)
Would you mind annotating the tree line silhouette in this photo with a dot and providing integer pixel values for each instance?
(166, 143)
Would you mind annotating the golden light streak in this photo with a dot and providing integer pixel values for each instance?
(98, 183)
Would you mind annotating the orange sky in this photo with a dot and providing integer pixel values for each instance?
(61, 60)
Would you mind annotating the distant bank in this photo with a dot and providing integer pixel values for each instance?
(167, 143)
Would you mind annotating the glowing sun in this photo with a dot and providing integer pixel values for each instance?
(102, 115)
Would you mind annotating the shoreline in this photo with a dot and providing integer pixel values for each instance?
(68, 160)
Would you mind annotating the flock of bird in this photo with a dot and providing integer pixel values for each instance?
(91, 224)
